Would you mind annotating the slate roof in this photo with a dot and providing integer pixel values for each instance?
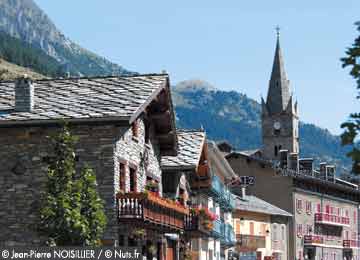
(249, 152)
(254, 204)
(120, 98)
(190, 145)
(279, 91)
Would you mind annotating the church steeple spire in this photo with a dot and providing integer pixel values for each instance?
(280, 122)
(279, 92)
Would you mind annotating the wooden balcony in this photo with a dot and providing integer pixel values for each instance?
(351, 243)
(334, 220)
(250, 242)
(313, 240)
(195, 226)
(150, 211)
(203, 171)
(214, 187)
(228, 238)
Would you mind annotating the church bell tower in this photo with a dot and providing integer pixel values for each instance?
(280, 121)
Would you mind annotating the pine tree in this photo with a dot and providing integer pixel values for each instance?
(352, 126)
(72, 212)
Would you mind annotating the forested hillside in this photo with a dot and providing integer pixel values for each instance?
(232, 116)
(23, 54)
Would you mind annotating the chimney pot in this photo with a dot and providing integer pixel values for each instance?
(24, 94)
(306, 166)
(323, 172)
(283, 159)
(294, 161)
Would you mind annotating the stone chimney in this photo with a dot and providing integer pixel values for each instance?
(243, 192)
(294, 162)
(306, 166)
(283, 159)
(323, 172)
(331, 172)
(24, 94)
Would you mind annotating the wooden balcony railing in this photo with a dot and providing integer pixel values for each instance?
(215, 188)
(251, 242)
(149, 209)
(313, 240)
(196, 227)
(324, 218)
(348, 243)
(203, 171)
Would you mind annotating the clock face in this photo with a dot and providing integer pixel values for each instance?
(277, 125)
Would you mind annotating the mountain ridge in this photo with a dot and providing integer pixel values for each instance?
(25, 20)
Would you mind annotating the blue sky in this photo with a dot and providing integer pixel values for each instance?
(227, 43)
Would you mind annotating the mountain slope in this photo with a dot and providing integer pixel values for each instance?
(23, 54)
(24, 20)
(231, 116)
(9, 71)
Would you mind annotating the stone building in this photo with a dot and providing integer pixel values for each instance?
(124, 125)
(324, 225)
(261, 229)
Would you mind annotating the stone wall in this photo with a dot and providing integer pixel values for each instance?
(23, 173)
(134, 152)
(287, 137)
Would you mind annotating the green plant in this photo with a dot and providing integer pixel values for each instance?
(72, 212)
(152, 249)
(352, 126)
(187, 254)
(139, 233)
(152, 186)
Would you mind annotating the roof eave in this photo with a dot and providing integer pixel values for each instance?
(10, 123)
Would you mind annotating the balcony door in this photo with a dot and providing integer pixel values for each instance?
(132, 176)
(252, 231)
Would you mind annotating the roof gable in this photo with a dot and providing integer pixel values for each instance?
(190, 147)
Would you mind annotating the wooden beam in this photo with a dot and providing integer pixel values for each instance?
(165, 115)
(165, 136)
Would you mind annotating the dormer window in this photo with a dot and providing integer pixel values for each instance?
(135, 129)
(147, 133)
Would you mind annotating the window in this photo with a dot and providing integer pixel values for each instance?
(237, 226)
(327, 209)
(353, 236)
(308, 207)
(133, 180)
(355, 217)
(299, 230)
(147, 132)
(298, 205)
(346, 213)
(332, 210)
(283, 235)
(339, 211)
(276, 150)
(275, 233)
(263, 229)
(318, 208)
(309, 229)
(122, 176)
(135, 129)
(251, 228)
